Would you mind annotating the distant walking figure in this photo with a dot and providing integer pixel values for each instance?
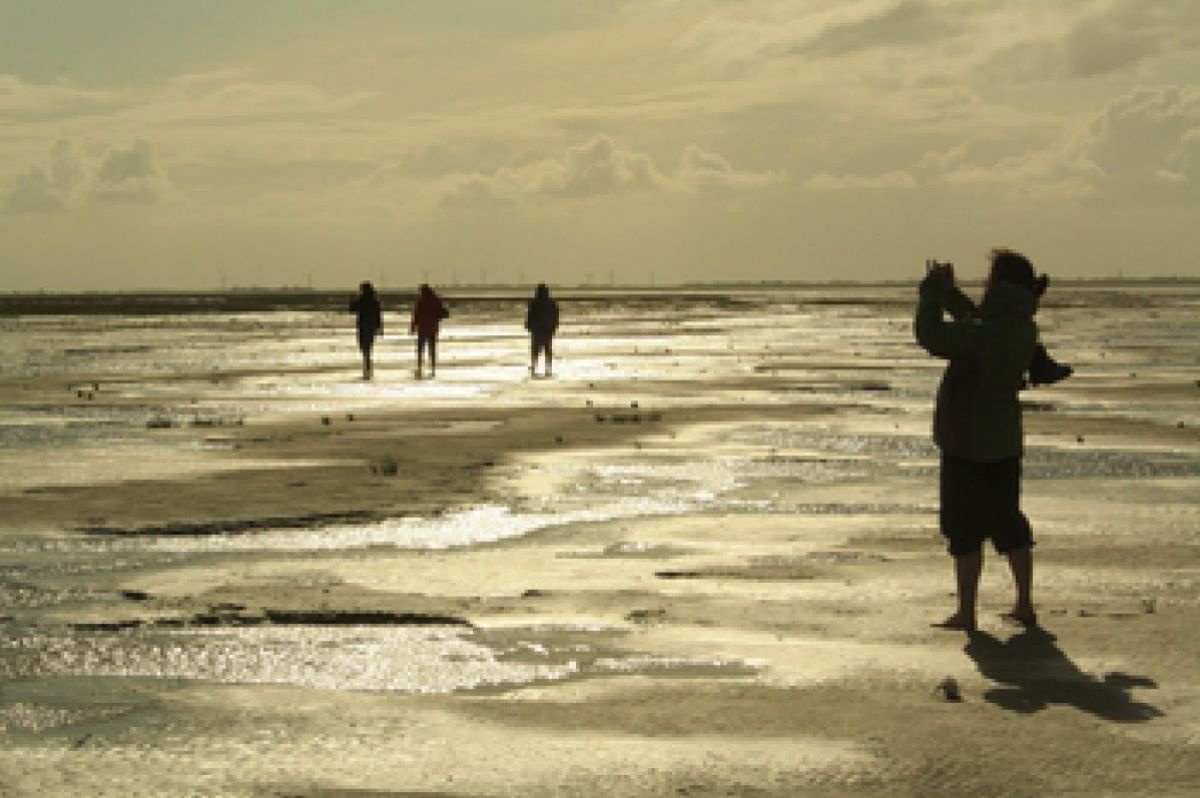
(427, 316)
(977, 421)
(369, 322)
(541, 319)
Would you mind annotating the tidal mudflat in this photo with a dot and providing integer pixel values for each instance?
(700, 560)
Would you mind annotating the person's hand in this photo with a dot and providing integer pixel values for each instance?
(947, 271)
(1040, 284)
(941, 274)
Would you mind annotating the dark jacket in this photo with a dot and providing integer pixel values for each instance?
(978, 413)
(541, 318)
(369, 314)
(428, 313)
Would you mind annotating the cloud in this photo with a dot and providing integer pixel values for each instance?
(478, 191)
(26, 101)
(740, 42)
(45, 190)
(261, 100)
(599, 167)
(33, 192)
(1100, 40)
(595, 168)
(66, 167)
(223, 97)
(888, 180)
(700, 170)
(896, 24)
(129, 175)
(1186, 157)
(1147, 139)
(1127, 32)
(1142, 147)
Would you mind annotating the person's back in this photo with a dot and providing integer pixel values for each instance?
(541, 320)
(369, 322)
(427, 313)
(368, 311)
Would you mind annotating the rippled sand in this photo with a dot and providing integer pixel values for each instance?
(701, 560)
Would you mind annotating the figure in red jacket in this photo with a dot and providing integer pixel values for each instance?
(426, 318)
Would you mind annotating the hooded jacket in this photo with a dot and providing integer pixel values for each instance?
(978, 413)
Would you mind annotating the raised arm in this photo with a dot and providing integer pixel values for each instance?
(940, 337)
(958, 304)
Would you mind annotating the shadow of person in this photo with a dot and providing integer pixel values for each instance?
(1036, 673)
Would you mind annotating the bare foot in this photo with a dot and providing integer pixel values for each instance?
(1025, 616)
(956, 622)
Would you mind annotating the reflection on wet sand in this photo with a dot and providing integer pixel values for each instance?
(703, 555)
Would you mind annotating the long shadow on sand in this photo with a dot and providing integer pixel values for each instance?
(1036, 673)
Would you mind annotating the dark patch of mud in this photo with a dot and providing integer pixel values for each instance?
(234, 616)
(755, 573)
(236, 526)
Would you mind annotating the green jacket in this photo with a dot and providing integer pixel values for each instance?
(978, 414)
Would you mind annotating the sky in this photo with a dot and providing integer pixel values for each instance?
(171, 144)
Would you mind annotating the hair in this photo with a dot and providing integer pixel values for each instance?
(366, 287)
(542, 291)
(1012, 267)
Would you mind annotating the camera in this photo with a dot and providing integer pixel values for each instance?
(944, 269)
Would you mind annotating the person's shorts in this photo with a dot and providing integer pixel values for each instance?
(981, 500)
(541, 342)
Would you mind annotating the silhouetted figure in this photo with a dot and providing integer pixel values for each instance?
(369, 322)
(427, 316)
(1036, 673)
(1042, 369)
(977, 421)
(541, 319)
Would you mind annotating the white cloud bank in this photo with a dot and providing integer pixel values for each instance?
(596, 168)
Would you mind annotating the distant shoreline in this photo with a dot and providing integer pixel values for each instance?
(250, 300)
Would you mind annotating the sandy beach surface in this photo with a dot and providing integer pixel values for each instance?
(701, 560)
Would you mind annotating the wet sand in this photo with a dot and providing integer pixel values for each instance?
(282, 621)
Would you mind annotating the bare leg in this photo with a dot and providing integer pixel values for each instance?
(1020, 561)
(967, 569)
(549, 355)
(367, 368)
